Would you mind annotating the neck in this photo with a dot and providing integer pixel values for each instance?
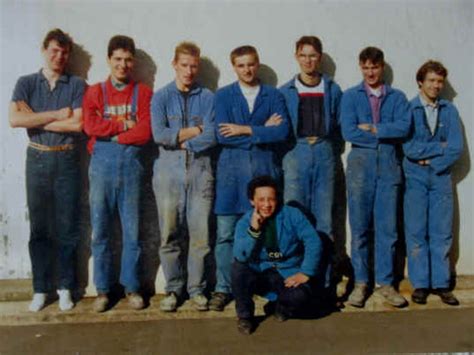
(375, 86)
(121, 81)
(51, 75)
(253, 84)
(311, 79)
(181, 87)
(427, 99)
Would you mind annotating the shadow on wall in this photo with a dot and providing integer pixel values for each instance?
(328, 66)
(145, 68)
(267, 75)
(208, 74)
(388, 74)
(79, 61)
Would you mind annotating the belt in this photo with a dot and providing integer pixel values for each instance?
(54, 148)
(312, 139)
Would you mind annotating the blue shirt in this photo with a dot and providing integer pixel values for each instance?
(35, 91)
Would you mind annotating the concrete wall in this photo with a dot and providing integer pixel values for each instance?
(410, 32)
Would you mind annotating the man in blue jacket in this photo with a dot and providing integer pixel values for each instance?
(183, 180)
(433, 146)
(374, 118)
(313, 102)
(251, 119)
(276, 250)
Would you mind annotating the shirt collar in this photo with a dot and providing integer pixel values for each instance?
(63, 77)
(369, 91)
(427, 104)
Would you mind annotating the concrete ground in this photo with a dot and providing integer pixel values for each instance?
(378, 327)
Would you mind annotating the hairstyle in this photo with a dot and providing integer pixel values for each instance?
(431, 66)
(188, 48)
(261, 181)
(313, 41)
(243, 50)
(120, 42)
(63, 39)
(373, 54)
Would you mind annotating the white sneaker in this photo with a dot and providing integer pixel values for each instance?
(169, 303)
(38, 302)
(65, 301)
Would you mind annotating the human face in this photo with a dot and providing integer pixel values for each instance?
(372, 73)
(186, 67)
(121, 65)
(246, 67)
(431, 86)
(55, 56)
(265, 201)
(308, 59)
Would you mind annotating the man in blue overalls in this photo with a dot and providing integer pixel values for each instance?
(374, 118)
(48, 105)
(183, 180)
(433, 146)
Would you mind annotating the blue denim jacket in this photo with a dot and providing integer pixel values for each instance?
(394, 117)
(244, 157)
(421, 144)
(332, 98)
(298, 241)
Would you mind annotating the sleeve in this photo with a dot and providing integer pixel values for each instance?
(78, 94)
(162, 133)
(141, 133)
(400, 125)
(92, 113)
(454, 146)
(21, 90)
(311, 241)
(262, 134)
(349, 121)
(207, 138)
(244, 243)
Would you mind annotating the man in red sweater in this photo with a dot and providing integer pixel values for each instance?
(117, 120)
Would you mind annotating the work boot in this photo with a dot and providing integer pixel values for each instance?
(199, 302)
(218, 301)
(169, 303)
(446, 296)
(358, 295)
(65, 301)
(392, 296)
(101, 303)
(135, 301)
(38, 302)
(420, 295)
(245, 326)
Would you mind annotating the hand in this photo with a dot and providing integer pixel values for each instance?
(130, 124)
(63, 113)
(368, 127)
(232, 129)
(23, 107)
(424, 162)
(274, 120)
(296, 280)
(257, 220)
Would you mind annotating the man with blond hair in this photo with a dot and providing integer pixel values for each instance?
(183, 180)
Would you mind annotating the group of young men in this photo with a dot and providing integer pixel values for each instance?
(272, 191)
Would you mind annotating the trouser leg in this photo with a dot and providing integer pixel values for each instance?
(223, 251)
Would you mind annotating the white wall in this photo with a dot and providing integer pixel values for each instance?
(409, 32)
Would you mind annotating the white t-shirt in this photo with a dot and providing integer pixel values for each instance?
(250, 94)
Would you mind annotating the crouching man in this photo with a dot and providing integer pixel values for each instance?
(277, 252)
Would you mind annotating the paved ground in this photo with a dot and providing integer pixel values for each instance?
(446, 330)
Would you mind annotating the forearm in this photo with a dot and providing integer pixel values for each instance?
(185, 134)
(69, 125)
(31, 119)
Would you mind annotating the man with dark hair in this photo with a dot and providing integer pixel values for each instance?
(374, 118)
(183, 126)
(313, 101)
(117, 120)
(276, 252)
(434, 144)
(251, 118)
(48, 105)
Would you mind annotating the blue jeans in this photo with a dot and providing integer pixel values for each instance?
(52, 188)
(428, 209)
(223, 251)
(372, 198)
(115, 174)
(246, 282)
(184, 197)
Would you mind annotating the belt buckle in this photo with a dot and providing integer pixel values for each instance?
(311, 140)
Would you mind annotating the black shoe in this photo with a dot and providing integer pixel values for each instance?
(446, 296)
(218, 301)
(245, 326)
(420, 295)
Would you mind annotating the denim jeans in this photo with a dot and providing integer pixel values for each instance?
(52, 189)
(223, 251)
(246, 282)
(115, 174)
(373, 192)
(184, 196)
